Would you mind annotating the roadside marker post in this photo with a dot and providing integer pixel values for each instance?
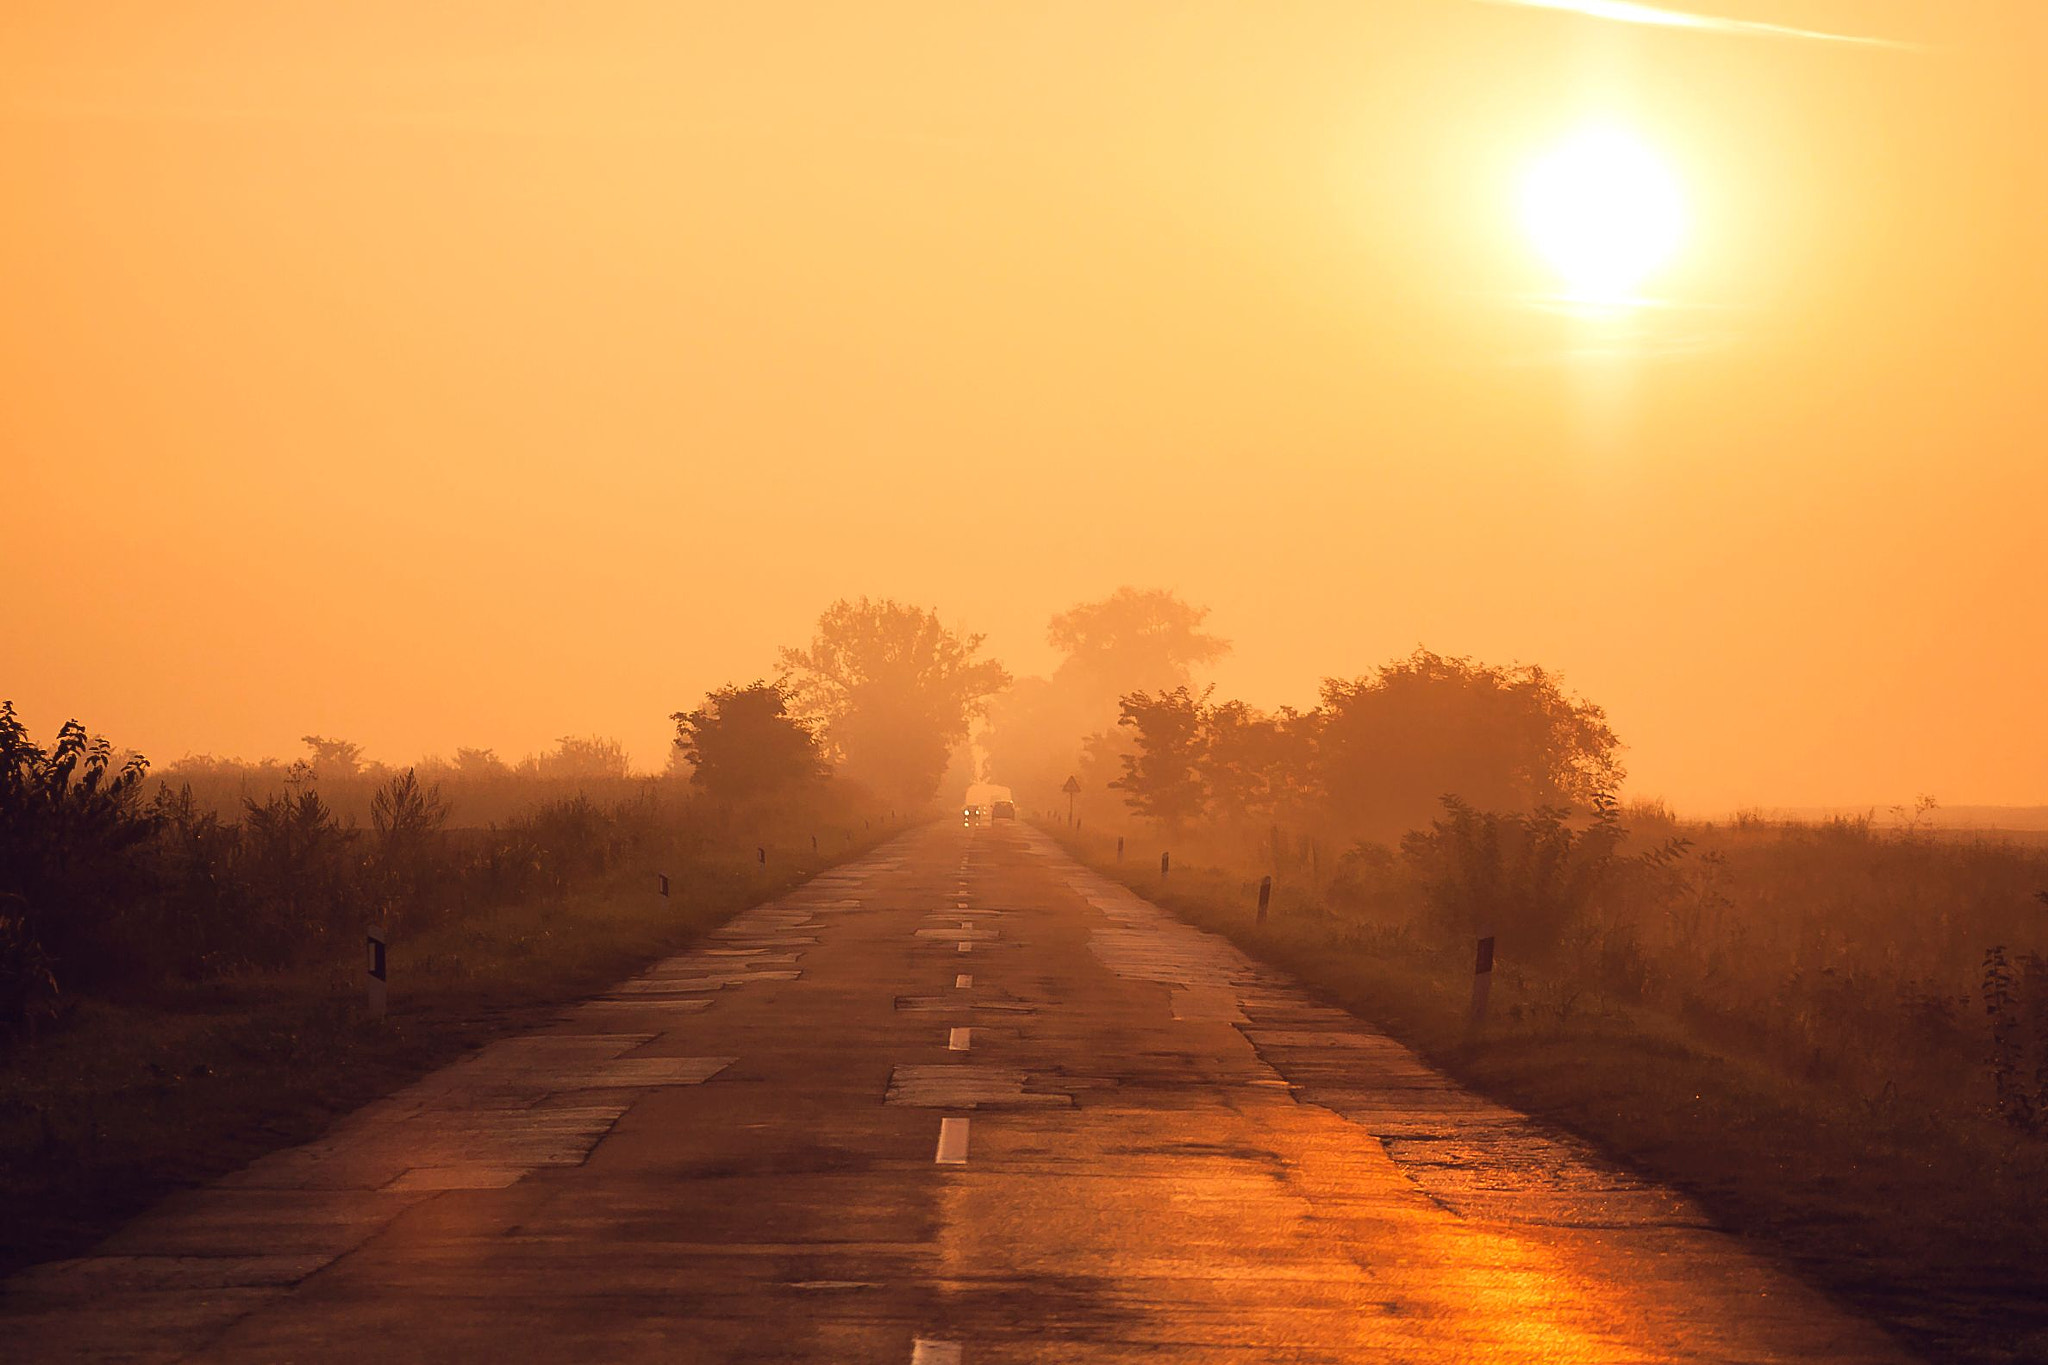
(1165, 863)
(1482, 979)
(661, 883)
(761, 856)
(1265, 896)
(1119, 848)
(374, 983)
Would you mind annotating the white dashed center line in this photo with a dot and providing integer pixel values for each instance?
(924, 1352)
(952, 1143)
(965, 946)
(962, 981)
(957, 1039)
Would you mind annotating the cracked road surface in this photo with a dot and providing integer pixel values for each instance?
(959, 1101)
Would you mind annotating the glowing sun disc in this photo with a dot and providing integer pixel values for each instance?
(1603, 211)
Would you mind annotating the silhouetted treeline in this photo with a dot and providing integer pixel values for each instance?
(1437, 799)
(111, 880)
(480, 787)
(1373, 759)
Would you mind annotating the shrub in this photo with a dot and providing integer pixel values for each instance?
(409, 869)
(72, 831)
(28, 986)
(1525, 878)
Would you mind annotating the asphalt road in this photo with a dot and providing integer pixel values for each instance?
(959, 1101)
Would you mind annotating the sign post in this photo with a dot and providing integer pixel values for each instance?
(374, 983)
(1072, 789)
(1482, 979)
(1265, 896)
(1165, 863)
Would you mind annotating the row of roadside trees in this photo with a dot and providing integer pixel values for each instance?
(1377, 755)
(873, 714)
(882, 696)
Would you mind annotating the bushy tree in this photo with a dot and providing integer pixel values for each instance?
(302, 870)
(1538, 879)
(1188, 758)
(1525, 877)
(206, 915)
(73, 831)
(1164, 775)
(1135, 640)
(743, 744)
(406, 819)
(578, 758)
(473, 765)
(1259, 765)
(895, 691)
(1503, 739)
(334, 758)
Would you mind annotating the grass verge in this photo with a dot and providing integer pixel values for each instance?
(136, 1097)
(1934, 1224)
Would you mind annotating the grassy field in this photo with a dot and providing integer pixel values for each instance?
(1904, 1196)
(141, 1093)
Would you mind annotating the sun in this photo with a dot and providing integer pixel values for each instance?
(1604, 211)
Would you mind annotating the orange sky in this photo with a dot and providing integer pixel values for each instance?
(475, 373)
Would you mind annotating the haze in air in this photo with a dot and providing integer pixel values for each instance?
(955, 683)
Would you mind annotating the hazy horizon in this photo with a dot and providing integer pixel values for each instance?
(432, 379)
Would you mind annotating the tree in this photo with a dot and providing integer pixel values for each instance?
(334, 757)
(407, 819)
(1533, 878)
(895, 692)
(743, 744)
(1164, 776)
(301, 867)
(579, 759)
(478, 764)
(1500, 739)
(1134, 640)
(72, 837)
(1257, 764)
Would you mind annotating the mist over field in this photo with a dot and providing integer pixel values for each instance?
(855, 682)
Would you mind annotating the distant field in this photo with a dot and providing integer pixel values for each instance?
(1972, 819)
